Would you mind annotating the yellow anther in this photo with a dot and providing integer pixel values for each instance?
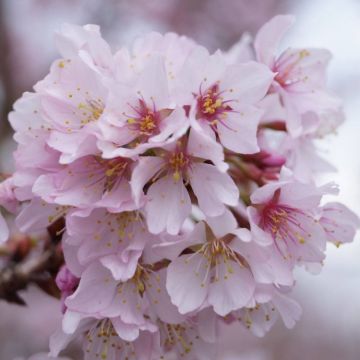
(131, 121)
(178, 161)
(211, 103)
(303, 53)
(147, 123)
(110, 172)
(176, 176)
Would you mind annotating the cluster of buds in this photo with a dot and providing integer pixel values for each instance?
(184, 185)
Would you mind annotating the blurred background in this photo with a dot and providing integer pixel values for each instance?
(330, 326)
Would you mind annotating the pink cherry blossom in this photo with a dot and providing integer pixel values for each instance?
(286, 214)
(183, 162)
(300, 73)
(194, 338)
(88, 181)
(269, 304)
(141, 116)
(215, 274)
(133, 301)
(101, 339)
(86, 43)
(117, 240)
(37, 215)
(222, 98)
(74, 97)
(172, 47)
(32, 131)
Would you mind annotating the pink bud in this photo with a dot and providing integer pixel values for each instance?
(65, 280)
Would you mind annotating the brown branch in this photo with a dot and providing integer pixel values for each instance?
(39, 270)
(24, 267)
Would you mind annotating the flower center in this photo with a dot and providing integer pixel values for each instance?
(178, 162)
(102, 340)
(217, 250)
(175, 335)
(285, 223)
(146, 121)
(285, 67)
(147, 124)
(114, 171)
(140, 277)
(210, 104)
(275, 218)
(105, 173)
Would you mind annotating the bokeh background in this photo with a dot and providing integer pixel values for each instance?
(330, 326)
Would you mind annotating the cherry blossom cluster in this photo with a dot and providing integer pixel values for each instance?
(183, 186)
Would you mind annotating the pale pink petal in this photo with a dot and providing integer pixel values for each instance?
(306, 240)
(288, 308)
(247, 83)
(73, 38)
(71, 259)
(58, 342)
(301, 195)
(38, 215)
(168, 205)
(303, 70)
(203, 146)
(223, 224)
(71, 321)
(213, 189)
(121, 270)
(72, 146)
(293, 116)
(266, 263)
(174, 126)
(128, 332)
(265, 193)
(269, 37)
(199, 69)
(128, 304)
(154, 73)
(259, 235)
(241, 51)
(95, 292)
(207, 325)
(172, 246)
(339, 223)
(119, 198)
(146, 168)
(232, 289)
(238, 130)
(160, 299)
(316, 100)
(187, 282)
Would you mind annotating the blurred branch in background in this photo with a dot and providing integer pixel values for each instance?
(26, 260)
